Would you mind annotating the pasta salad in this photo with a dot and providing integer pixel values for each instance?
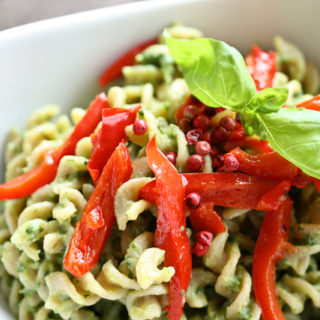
(189, 190)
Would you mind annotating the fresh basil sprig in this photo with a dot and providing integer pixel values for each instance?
(217, 75)
(214, 71)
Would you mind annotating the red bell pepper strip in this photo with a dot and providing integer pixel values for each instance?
(148, 192)
(269, 249)
(202, 218)
(43, 174)
(235, 190)
(312, 104)
(114, 71)
(258, 145)
(205, 218)
(114, 122)
(273, 199)
(170, 232)
(98, 217)
(267, 166)
(262, 66)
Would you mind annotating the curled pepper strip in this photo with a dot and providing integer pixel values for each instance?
(273, 199)
(255, 143)
(114, 122)
(170, 232)
(262, 66)
(267, 166)
(269, 249)
(206, 218)
(270, 166)
(235, 190)
(312, 104)
(114, 71)
(43, 174)
(98, 217)
(259, 145)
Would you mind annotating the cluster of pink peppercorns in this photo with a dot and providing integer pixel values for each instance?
(203, 140)
(203, 241)
(203, 238)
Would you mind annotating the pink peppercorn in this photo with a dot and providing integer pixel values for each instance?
(199, 249)
(140, 127)
(204, 237)
(207, 137)
(172, 156)
(218, 161)
(184, 124)
(195, 162)
(221, 134)
(193, 200)
(203, 147)
(210, 111)
(214, 151)
(193, 136)
(201, 122)
(228, 123)
(190, 111)
(231, 163)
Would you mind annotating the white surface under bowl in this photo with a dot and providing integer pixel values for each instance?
(59, 60)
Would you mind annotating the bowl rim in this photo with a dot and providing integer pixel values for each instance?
(90, 15)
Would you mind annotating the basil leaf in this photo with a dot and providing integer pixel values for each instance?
(269, 100)
(295, 134)
(252, 125)
(214, 71)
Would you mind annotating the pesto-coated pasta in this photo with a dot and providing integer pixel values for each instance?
(131, 280)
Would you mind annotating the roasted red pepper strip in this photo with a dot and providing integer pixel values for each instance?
(267, 166)
(206, 218)
(269, 249)
(262, 66)
(29, 182)
(255, 143)
(273, 199)
(98, 218)
(114, 71)
(148, 192)
(259, 145)
(202, 218)
(170, 232)
(316, 183)
(312, 104)
(114, 121)
(235, 190)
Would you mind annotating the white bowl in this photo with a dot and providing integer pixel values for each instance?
(59, 60)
